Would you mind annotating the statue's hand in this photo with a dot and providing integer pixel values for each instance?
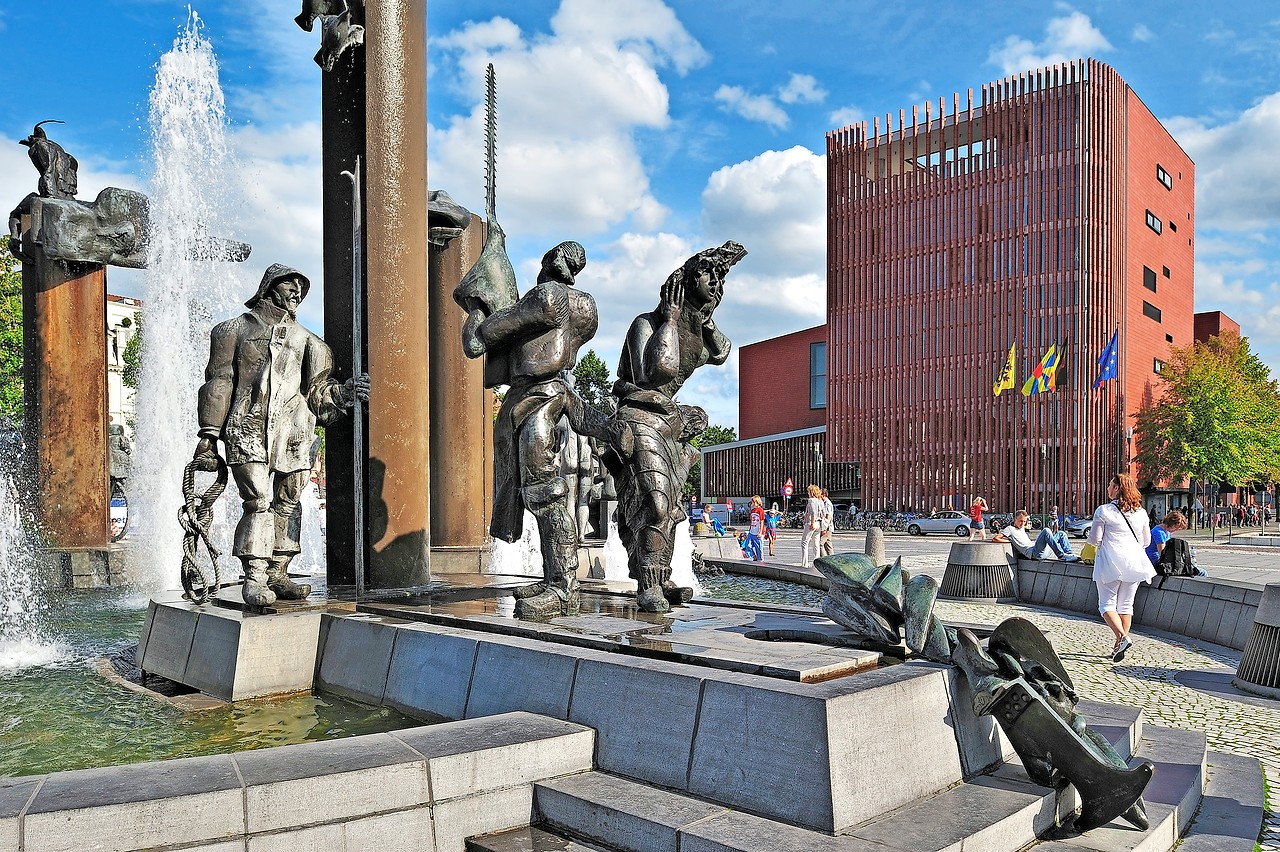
(672, 295)
(206, 455)
(356, 387)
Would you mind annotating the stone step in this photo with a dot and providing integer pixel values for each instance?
(530, 838)
(1231, 813)
(1171, 798)
(628, 816)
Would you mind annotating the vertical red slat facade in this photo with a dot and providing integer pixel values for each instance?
(1021, 218)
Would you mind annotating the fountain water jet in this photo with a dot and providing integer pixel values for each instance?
(192, 195)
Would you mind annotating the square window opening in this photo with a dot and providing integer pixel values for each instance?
(1149, 278)
(1157, 366)
(1151, 311)
(1166, 272)
(1154, 223)
(1168, 338)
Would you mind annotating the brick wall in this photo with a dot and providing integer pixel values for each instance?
(773, 393)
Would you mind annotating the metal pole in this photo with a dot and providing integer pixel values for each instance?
(357, 367)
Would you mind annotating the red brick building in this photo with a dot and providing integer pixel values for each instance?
(1047, 209)
(783, 383)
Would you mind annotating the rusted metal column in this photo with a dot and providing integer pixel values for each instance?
(396, 249)
(461, 453)
(65, 396)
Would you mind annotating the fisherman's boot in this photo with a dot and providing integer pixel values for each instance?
(558, 593)
(649, 593)
(256, 592)
(278, 579)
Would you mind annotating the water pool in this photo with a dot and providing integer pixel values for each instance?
(62, 715)
(740, 587)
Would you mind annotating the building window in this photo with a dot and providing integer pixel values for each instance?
(1149, 279)
(1157, 366)
(1173, 226)
(1168, 338)
(1150, 310)
(817, 375)
(1166, 271)
(1153, 222)
(1163, 177)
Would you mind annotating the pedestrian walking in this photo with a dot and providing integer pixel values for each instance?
(755, 529)
(1121, 535)
(771, 519)
(813, 509)
(977, 528)
(828, 523)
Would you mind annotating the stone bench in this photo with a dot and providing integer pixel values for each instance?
(1217, 611)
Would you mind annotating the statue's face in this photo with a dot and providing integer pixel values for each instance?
(705, 288)
(287, 294)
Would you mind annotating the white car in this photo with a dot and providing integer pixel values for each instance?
(956, 523)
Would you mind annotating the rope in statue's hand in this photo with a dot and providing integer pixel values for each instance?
(196, 517)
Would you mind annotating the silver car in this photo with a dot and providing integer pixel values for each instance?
(956, 523)
(1079, 527)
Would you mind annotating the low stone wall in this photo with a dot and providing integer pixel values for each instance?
(425, 788)
(1216, 611)
(718, 546)
(794, 752)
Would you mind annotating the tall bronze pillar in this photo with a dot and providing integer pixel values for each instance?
(461, 448)
(399, 466)
(65, 395)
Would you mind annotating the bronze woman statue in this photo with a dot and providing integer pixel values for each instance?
(662, 350)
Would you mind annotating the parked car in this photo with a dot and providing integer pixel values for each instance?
(956, 523)
(1079, 527)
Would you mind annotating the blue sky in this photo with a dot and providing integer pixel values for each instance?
(647, 130)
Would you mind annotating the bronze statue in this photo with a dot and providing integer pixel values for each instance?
(531, 345)
(662, 350)
(1021, 682)
(266, 386)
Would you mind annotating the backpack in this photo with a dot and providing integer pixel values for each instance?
(1175, 560)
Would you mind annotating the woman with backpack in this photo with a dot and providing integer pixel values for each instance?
(1121, 534)
(1172, 523)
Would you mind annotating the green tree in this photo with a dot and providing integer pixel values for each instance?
(10, 336)
(591, 381)
(710, 437)
(132, 357)
(1217, 416)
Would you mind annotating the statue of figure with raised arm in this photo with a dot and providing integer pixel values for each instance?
(662, 350)
(266, 386)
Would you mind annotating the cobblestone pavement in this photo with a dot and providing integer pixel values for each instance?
(1146, 679)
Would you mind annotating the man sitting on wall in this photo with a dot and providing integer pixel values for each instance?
(1054, 540)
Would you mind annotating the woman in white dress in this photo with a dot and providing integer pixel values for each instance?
(1121, 532)
(814, 509)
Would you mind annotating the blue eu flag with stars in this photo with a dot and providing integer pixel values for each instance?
(1107, 360)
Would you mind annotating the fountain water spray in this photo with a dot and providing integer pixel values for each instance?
(191, 196)
(24, 638)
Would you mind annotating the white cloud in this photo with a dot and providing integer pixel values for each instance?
(761, 108)
(1066, 38)
(1142, 33)
(569, 103)
(802, 89)
(1237, 173)
(846, 115)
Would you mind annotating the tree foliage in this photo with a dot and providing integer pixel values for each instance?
(591, 381)
(132, 357)
(1217, 416)
(710, 437)
(10, 336)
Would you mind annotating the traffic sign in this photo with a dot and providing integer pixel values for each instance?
(789, 488)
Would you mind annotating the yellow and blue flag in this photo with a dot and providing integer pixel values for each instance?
(1005, 380)
(1107, 361)
(1043, 377)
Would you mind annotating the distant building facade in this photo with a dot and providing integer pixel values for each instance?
(1050, 209)
(122, 325)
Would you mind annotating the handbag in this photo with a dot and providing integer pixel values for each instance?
(1088, 553)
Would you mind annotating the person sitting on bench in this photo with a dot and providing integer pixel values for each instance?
(1054, 540)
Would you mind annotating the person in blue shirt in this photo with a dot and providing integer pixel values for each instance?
(1172, 522)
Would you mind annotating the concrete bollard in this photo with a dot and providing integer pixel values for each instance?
(1259, 670)
(980, 571)
(873, 549)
